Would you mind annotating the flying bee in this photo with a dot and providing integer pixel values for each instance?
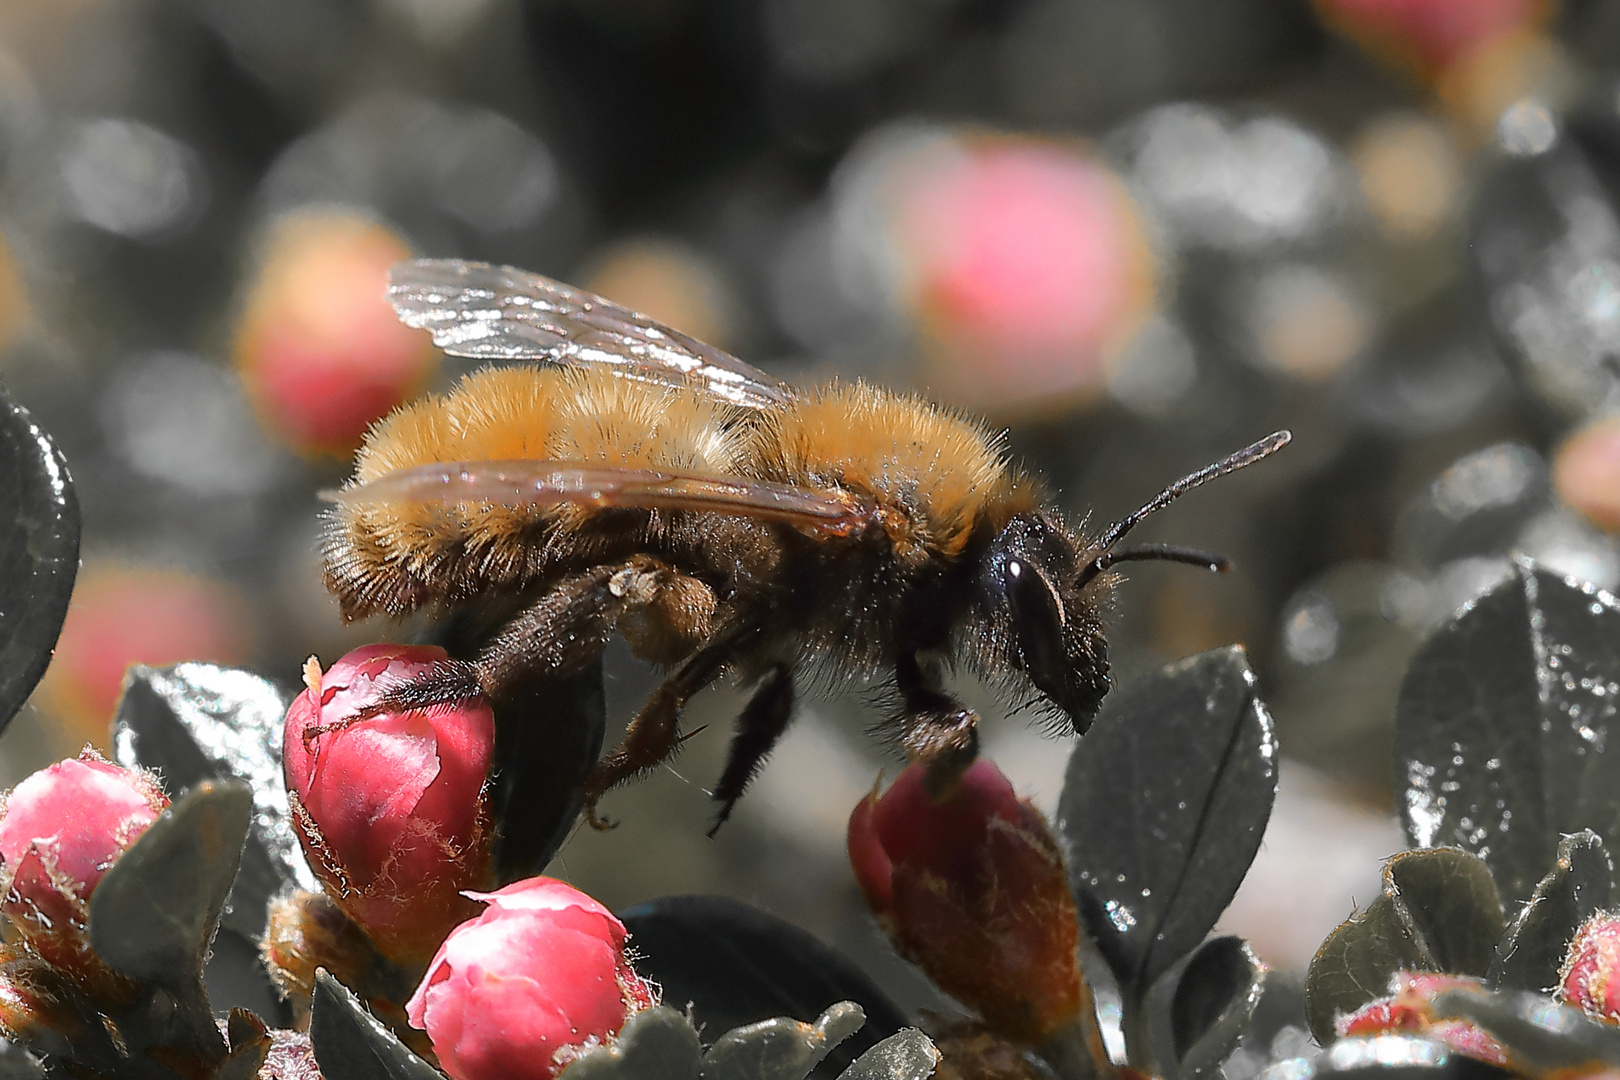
(723, 523)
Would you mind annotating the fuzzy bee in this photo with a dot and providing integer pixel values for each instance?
(640, 482)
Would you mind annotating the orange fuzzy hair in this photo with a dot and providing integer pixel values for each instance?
(937, 472)
(394, 557)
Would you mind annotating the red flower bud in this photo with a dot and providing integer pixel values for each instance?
(1408, 1009)
(536, 980)
(1588, 979)
(971, 888)
(60, 830)
(390, 809)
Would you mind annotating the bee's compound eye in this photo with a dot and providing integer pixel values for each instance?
(1037, 617)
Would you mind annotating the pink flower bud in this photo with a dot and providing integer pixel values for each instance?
(1588, 980)
(971, 888)
(390, 809)
(60, 830)
(529, 985)
(1408, 1009)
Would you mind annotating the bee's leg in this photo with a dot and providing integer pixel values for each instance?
(557, 635)
(937, 730)
(654, 735)
(760, 725)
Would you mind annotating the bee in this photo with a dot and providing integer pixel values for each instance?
(637, 481)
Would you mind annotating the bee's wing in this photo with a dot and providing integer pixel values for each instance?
(550, 483)
(502, 313)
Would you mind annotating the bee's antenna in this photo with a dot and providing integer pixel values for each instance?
(1116, 532)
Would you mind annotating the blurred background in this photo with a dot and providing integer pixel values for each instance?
(1137, 234)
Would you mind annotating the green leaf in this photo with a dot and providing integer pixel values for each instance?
(1200, 1008)
(1438, 911)
(1163, 808)
(548, 737)
(195, 722)
(655, 1044)
(1502, 722)
(1397, 1057)
(39, 552)
(734, 965)
(780, 1048)
(1580, 884)
(905, 1055)
(351, 1043)
(18, 1064)
(154, 913)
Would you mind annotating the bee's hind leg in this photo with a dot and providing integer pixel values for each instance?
(759, 727)
(936, 729)
(554, 637)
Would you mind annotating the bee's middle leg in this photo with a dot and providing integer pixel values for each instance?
(759, 728)
(654, 735)
(936, 729)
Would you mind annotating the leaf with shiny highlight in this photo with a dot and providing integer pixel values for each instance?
(39, 552)
(1580, 884)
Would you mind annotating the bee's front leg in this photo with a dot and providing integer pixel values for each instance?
(936, 729)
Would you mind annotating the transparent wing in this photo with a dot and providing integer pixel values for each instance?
(502, 313)
(551, 483)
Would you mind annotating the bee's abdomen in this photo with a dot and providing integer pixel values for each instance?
(394, 557)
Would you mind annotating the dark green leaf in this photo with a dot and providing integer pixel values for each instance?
(735, 965)
(781, 1048)
(1438, 911)
(352, 1044)
(1450, 899)
(1580, 884)
(905, 1055)
(1502, 721)
(39, 552)
(1535, 1031)
(548, 737)
(154, 913)
(18, 1064)
(1163, 808)
(1200, 1008)
(196, 722)
(656, 1044)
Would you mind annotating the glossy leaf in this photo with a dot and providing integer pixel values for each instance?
(548, 737)
(18, 1064)
(154, 913)
(1163, 808)
(1537, 1033)
(655, 1044)
(781, 1048)
(1502, 721)
(1438, 911)
(39, 552)
(905, 1055)
(195, 722)
(1200, 1008)
(1580, 884)
(351, 1043)
(735, 965)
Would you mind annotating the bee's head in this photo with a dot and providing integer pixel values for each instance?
(1044, 586)
(1049, 613)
